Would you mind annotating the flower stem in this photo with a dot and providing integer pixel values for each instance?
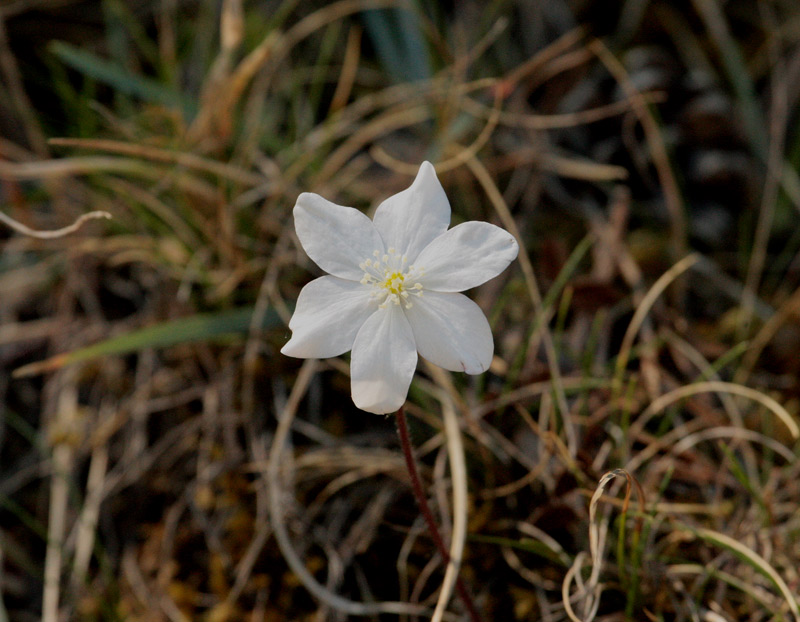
(422, 501)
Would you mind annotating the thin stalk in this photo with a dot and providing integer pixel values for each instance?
(422, 501)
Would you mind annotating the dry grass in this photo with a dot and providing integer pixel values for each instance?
(632, 453)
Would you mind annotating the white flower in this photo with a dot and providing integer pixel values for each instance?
(392, 289)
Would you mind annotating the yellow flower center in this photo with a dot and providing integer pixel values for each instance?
(391, 278)
(394, 283)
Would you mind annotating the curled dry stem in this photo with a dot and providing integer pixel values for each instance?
(590, 592)
(51, 235)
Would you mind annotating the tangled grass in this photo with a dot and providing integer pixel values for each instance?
(631, 454)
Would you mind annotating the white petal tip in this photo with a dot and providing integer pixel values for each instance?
(380, 408)
(288, 350)
(377, 398)
(378, 411)
(305, 196)
(297, 349)
(475, 369)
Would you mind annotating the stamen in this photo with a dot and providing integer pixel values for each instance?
(390, 278)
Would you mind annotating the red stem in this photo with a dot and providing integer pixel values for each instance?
(422, 501)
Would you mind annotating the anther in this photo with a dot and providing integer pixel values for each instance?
(389, 277)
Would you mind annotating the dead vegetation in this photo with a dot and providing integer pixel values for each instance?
(632, 453)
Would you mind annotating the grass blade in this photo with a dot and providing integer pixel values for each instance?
(115, 76)
(204, 327)
(398, 40)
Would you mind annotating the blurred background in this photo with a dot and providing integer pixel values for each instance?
(644, 152)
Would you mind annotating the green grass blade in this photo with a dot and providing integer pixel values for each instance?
(528, 545)
(397, 37)
(737, 72)
(560, 282)
(204, 327)
(115, 76)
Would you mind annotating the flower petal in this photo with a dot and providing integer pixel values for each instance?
(411, 219)
(383, 361)
(466, 256)
(336, 238)
(451, 331)
(328, 315)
